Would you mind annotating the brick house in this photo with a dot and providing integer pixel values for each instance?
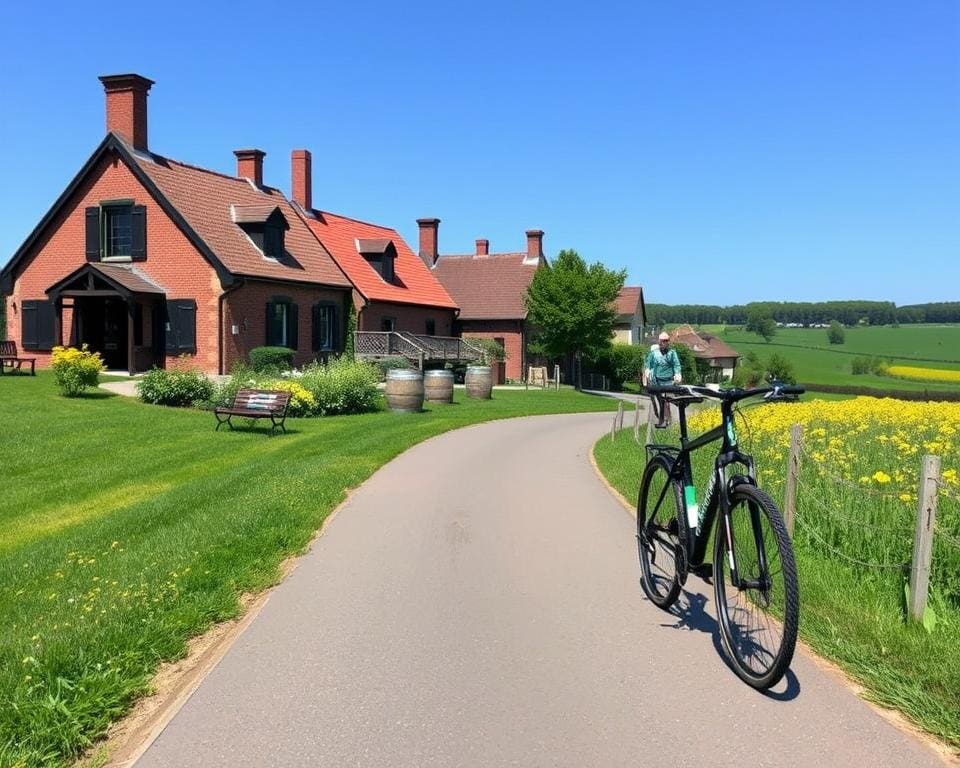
(489, 288)
(720, 356)
(393, 289)
(145, 259)
(631, 316)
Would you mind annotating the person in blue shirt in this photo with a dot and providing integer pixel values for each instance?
(661, 369)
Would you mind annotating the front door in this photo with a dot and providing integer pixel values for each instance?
(103, 326)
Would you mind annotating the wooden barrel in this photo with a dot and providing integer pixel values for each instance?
(438, 386)
(404, 390)
(479, 381)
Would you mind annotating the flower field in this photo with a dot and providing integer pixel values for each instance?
(859, 477)
(914, 373)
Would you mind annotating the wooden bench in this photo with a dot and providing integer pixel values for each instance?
(10, 359)
(256, 404)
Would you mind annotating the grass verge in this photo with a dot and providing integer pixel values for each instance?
(125, 529)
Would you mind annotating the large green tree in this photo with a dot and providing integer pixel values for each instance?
(572, 307)
(761, 322)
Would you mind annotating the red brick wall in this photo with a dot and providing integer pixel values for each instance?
(512, 333)
(172, 261)
(409, 317)
(246, 308)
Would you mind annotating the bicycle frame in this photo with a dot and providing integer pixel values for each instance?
(700, 519)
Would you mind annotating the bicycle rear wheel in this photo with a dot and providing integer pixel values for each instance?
(759, 610)
(658, 534)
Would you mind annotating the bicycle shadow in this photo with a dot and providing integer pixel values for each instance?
(691, 614)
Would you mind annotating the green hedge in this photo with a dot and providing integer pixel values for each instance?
(271, 359)
(925, 395)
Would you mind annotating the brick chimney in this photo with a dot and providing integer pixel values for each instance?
(250, 165)
(428, 240)
(483, 247)
(534, 243)
(301, 178)
(127, 107)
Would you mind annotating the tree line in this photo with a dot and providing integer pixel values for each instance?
(805, 312)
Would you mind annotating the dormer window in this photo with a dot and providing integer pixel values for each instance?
(265, 225)
(380, 253)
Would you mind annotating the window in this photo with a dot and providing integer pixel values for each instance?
(325, 335)
(382, 264)
(116, 230)
(281, 323)
(388, 323)
(273, 242)
(431, 329)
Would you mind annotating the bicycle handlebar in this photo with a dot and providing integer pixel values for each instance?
(773, 392)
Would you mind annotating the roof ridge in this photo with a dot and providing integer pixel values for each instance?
(238, 179)
(480, 257)
(354, 219)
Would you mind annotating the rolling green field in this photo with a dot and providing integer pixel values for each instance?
(126, 528)
(816, 361)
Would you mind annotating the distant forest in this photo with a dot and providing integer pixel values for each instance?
(846, 312)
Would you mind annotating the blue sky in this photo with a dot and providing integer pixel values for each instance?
(720, 152)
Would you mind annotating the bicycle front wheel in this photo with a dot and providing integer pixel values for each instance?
(755, 584)
(658, 534)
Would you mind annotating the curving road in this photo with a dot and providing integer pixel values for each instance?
(477, 603)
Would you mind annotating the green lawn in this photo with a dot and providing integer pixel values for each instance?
(853, 616)
(126, 529)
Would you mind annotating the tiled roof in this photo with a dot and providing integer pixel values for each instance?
(702, 344)
(129, 277)
(253, 214)
(628, 300)
(488, 287)
(204, 199)
(417, 285)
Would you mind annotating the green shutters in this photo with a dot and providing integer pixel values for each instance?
(181, 327)
(93, 233)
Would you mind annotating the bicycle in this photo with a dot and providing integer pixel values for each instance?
(753, 571)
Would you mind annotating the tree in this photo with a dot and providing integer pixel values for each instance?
(836, 334)
(780, 369)
(688, 364)
(761, 322)
(572, 307)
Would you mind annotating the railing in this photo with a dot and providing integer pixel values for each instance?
(414, 347)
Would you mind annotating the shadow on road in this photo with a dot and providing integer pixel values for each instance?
(691, 614)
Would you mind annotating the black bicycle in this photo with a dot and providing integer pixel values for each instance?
(753, 571)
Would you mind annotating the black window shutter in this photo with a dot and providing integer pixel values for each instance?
(187, 326)
(29, 328)
(173, 330)
(317, 341)
(138, 231)
(292, 326)
(45, 325)
(269, 339)
(93, 234)
(334, 328)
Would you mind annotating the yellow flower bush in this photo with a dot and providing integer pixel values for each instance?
(302, 401)
(923, 374)
(75, 369)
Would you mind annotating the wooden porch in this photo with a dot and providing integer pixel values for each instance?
(418, 349)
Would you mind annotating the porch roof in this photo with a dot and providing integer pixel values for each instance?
(122, 279)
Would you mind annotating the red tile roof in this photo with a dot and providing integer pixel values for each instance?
(702, 344)
(628, 300)
(488, 287)
(340, 236)
(205, 200)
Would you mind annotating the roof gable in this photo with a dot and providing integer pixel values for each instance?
(490, 287)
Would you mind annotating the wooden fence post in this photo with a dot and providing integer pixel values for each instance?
(793, 475)
(636, 421)
(923, 536)
(617, 420)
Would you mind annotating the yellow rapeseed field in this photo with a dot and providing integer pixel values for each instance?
(923, 374)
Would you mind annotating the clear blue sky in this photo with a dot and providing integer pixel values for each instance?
(720, 152)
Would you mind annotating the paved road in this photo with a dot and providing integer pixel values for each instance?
(477, 604)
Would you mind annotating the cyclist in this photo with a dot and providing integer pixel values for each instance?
(662, 368)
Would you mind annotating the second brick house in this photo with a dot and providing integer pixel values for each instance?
(490, 289)
(146, 259)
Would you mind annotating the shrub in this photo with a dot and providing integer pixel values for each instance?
(493, 351)
(836, 334)
(390, 364)
(177, 388)
(271, 359)
(75, 369)
(863, 365)
(343, 386)
(780, 369)
(302, 401)
(750, 372)
(621, 363)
